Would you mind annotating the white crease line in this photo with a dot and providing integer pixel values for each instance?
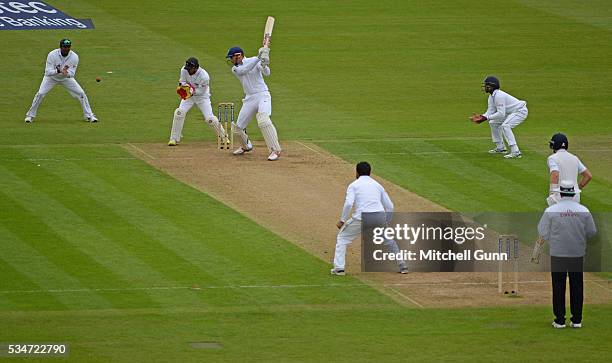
(407, 298)
(607, 288)
(309, 148)
(475, 283)
(444, 152)
(141, 151)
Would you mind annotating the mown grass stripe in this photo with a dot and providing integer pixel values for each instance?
(12, 278)
(41, 272)
(57, 234)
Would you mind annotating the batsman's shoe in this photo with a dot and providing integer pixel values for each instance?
(337, 272)
(403, 270)
(575, 325)
(515, 155)
(172, 143)
(558, 326)
(29, 119)
(274, 155)
(241, 151)
(498, 151)
(93, 119)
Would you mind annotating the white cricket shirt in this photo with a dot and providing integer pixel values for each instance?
(367, 196)
(250, 73)
(568, 165)
(199, 80)
(502, 104)
(55, 59)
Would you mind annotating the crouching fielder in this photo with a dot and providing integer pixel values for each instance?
(61, 69)
(193, 89)
(368, 196)
(257, 101)
(504, 112)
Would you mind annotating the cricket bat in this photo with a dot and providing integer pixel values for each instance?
(268, 32)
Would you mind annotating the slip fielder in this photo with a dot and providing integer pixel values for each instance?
(61, 69)
(194, 89)
(504, 112)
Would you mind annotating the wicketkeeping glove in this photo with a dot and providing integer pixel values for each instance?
(185, 91)
(477, 118)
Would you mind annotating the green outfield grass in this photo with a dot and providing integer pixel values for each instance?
(127, 264)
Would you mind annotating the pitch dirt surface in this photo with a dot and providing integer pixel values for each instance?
(300, 198)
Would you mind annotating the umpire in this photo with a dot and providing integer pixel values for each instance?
(566, 226)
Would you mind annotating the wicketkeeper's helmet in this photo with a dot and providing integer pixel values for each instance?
(558, 141)
(192, 63)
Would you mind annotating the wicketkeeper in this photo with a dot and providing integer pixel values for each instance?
(193, 88)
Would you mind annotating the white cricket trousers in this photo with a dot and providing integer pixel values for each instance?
(499, 128)
(71, 85)
(253, 104)
(348, 233)
(203, 104)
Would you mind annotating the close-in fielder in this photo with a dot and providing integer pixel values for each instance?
(60, 69)
(197, 80)
(564, 165)
(257, 101)
(367, 196)
(504, 112)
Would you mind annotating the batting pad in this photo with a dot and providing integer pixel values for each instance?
(177, 125)
(268, 131)
(213, 122)
(242, 136)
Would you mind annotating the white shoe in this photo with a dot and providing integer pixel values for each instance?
(498, 151)
(274, 155)
(403, 270)
(558, 326)
(29, 119)
(513, 155)
(241, 150)
(337, 272)
(93, 119)
(575, 325)
(172, 143)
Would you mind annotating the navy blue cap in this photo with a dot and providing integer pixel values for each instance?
(234, 50)
(65, 43)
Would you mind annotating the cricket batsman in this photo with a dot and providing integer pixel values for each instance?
(257, 101)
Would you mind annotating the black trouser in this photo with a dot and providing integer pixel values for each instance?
(561, 267)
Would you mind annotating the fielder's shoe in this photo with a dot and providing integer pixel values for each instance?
(337, 272)
(498, 151)
(241, 150)
(274, 155)
(513, 155)
(403, 270)
(575, 325)
(557, 326)
(29, 119)
(93, 119)
(172, 143)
